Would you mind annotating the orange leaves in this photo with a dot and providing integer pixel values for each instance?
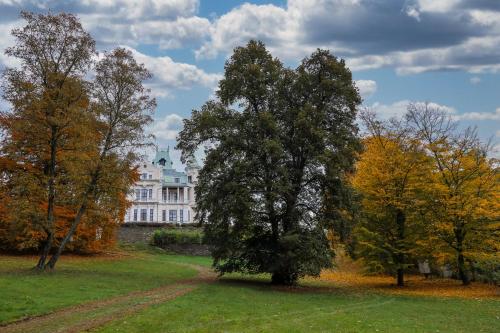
(415, 285)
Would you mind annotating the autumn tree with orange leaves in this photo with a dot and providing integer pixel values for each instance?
(44, 130)
(122, 109)
(429, 191)
(69, 145)
(389, 177)
(462, 206)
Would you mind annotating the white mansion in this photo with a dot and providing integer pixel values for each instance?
(163, 195)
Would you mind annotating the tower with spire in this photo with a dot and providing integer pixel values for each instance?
(162, 158)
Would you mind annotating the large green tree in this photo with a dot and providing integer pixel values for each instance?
(277, 141)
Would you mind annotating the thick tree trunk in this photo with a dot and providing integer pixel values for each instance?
(53, 260)
(400, 221)
(81, 211)
(50, 199)
(462, 271)
(400, 277)
(45, 251)
(283, 278)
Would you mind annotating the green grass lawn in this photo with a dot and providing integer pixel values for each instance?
(234, 304)
(24, 292)
(250, 307)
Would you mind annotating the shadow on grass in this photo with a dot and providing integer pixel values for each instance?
(264, 284)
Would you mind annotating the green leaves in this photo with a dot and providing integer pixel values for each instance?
(276, 144)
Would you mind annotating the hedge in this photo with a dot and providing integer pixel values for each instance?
(177, 236)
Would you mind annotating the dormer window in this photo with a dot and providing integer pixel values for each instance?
(177, 180)
(162, 161)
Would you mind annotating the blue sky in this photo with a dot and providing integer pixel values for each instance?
(446, 52)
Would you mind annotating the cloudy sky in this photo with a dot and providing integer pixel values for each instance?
(442, 51)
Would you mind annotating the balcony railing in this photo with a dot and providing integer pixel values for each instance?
(163, 200)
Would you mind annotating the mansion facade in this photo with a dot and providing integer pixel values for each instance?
(163, 194)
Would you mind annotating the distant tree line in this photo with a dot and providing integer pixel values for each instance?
(71, 139)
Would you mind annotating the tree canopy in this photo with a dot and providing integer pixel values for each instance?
(277, 139)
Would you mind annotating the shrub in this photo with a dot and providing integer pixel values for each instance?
(164, 237)
(488, 271)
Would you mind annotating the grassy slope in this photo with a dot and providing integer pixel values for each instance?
(243, 307)
(76, 280)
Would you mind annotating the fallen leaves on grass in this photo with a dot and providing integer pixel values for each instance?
(415, 285)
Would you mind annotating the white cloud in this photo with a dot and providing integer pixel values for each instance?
(480, 115)
(366, 88)
(127, 9)
(475, 80)
(168, 127)
(413, 11)
(249, 21)
(439, 6)
(161, 32)
(168, 74)
(6, 41)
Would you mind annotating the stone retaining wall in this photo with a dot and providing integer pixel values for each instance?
(142, 233)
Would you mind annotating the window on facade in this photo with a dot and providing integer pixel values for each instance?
(172, 215)
(144, 194)
(173, 197)
(144, 214)
(135, 214)
(190, 179)
(181, 215)
(150, 193)
(144, 176)
(151, 214)
(163, 215)
(177, 180)
(189, 215)
(150, 176)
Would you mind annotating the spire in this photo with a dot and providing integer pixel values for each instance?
(162, 158)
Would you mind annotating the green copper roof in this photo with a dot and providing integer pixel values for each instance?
(162, 157)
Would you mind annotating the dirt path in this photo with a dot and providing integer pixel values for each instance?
(91, 315)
